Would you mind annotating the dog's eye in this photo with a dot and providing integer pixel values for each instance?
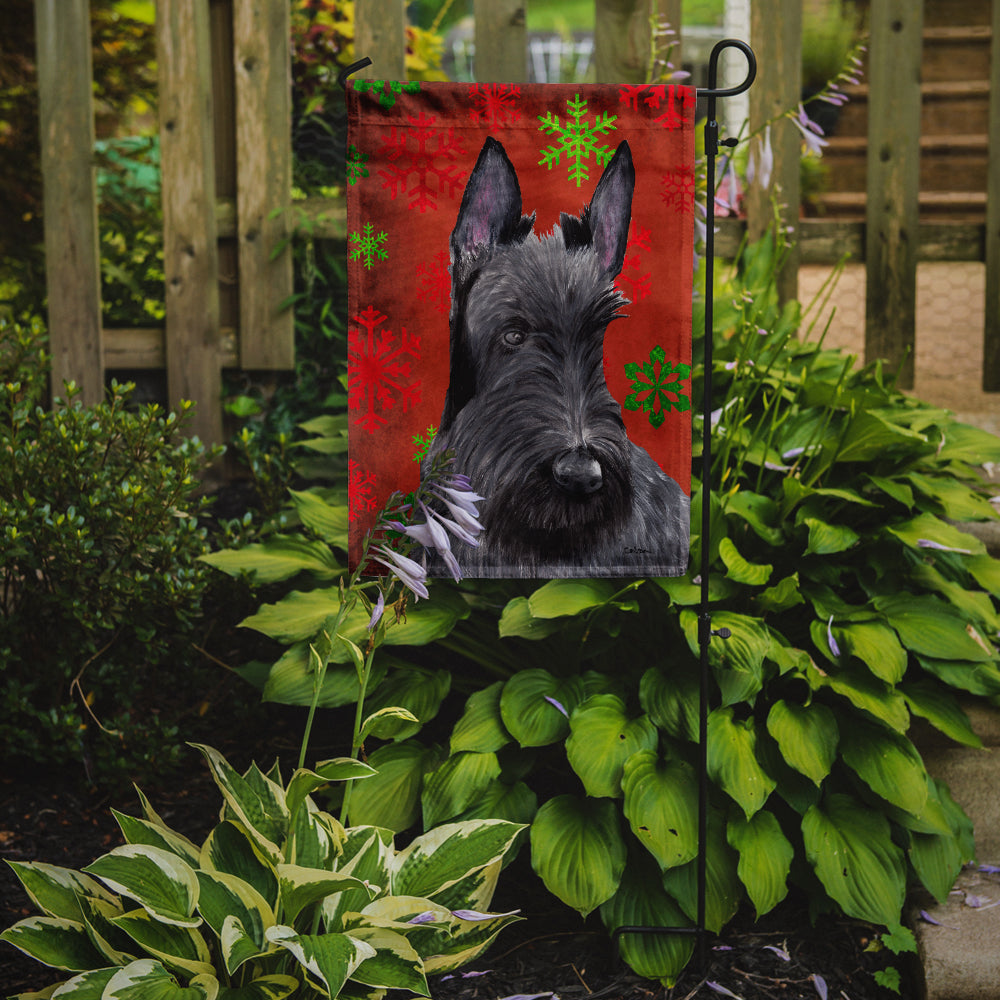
(514, 338)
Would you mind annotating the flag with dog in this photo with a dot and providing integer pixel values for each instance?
(520, 262)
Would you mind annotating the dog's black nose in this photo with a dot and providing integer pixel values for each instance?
(577, 472)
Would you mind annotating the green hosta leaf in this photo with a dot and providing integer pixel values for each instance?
(928, 528)
(941, 709)
(783, 595)
(870, 436)
(876, 646)
(732, 760)
(684, 592)
(327, 520)
(481, 728)
(937, 859)
(723, 889)
(578, 851)
(386, 723)
(301, 887)
(54, 941)
(147, 979)
(517, 620)
(56, 891)
(395, 964)
(515, 803)
(641, 901)
(602, 738)
(738, 661)
(279, 558)
(230, 849)
(958, 502)
(932, 628)
(304, 782)
(976, 678)
(976, 605)
(274, 987)
(888, 763)
(528, 714)
(671, 700)
(864, 691)
(225, 897)
(827, 539)
(965, 443)
(661, 799)
(752, 574)
(765, 858)
(986, 571)
(438, 859)
(415, 689)
(292, 680)
(893, 488)
(180, 948)
(391, 798)
(807, 736)
(330, 959)
(758, 511)
(141, 831)
(850, 847)
(559, 598)
(456, 784)
(159, 881)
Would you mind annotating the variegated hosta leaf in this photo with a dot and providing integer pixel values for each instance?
(304, 782)
(456, 784)
(274, 987)
(54, 941)
(441, 857)
(661, 799)
(395, 964)
(147, 979)
(535, 706)
(481, 727)
(116, 946)
(225, 897)
(850, 847)
(86, 986)
(475, 891)
(329, 959)
(315, 838)
(732, 760)
(642, 902)
(141, 831)
(230, 849)
(367, 853)
(56, 891)
(578, 851)
(466, 941)
(300, 887)
(765, 858)
(807, 736)
(158, 880)
(602, 737)
(177, 947)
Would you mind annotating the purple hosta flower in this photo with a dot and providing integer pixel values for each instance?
(727, 198)
(410, 573)
(427, 917)
(928, 543)
(812, 134)
(831, 642)
(760, 165)
(552, 701)
(377, 611)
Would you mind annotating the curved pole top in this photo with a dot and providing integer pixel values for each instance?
(353, 68)
(712, 90)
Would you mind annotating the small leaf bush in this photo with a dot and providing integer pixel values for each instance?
(279, 900)
(855, 605)
(100, 584)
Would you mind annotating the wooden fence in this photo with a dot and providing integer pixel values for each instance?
(226, 160)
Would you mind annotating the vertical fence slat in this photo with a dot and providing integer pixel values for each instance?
(892, 215)
(72, 257)
(380, 34)
(190, 253)
(991, 332)
(776, 35)
(501, 41)
(261, 57)
(621, 40)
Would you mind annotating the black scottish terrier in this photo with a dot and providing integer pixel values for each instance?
(528, 413)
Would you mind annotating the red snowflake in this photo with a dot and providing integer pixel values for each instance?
(377, 372)
(360, 491)
(678, 188)
(435, 282)
(494, 104)
(673, 99)
(639, 283)
(430, 160)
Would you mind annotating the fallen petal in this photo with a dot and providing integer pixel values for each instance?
(552, 701)
(780, 952)
(719, 988)
(820, 983)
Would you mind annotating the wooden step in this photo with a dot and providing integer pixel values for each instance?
(956, 53)
(958, 206)
(940, 13)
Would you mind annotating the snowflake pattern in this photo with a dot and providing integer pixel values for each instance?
(493, 104)
(435, 282)
(638, 284)
(368, 246)
(656, 386)
(431, 162)
(355, 163)
(577, 139)
(386, 90)
(360, 491)
(673, 99)
(422, 443)
(678, 188)
(379, 373)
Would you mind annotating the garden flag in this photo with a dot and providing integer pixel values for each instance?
(520, 273)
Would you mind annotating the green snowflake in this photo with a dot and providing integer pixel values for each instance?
(368, 246)
(656, 386)
(577, 139)
(356, 161)
(422, 444)
(386, 90)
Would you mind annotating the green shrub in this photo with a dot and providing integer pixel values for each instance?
(280, 899)
(99, 546)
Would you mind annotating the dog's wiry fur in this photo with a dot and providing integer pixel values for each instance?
(528, 413)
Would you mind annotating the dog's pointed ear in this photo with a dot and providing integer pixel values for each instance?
(610, 210)
(491, 205)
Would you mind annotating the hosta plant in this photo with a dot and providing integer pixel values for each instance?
(279, 900)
